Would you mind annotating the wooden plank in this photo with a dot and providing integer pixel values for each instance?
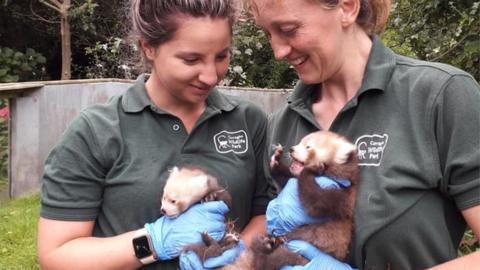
(10, 90)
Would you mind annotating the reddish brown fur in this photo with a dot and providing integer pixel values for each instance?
(210, 247)
(334, 236)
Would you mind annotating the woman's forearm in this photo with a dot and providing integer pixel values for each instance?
(72, 249)
(471, 261)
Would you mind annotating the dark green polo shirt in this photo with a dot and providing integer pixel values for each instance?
(111, 163)
(416, 125)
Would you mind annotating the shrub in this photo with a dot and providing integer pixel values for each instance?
(18, 66)
(253, 63)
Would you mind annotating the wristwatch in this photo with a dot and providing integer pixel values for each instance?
(143, 247)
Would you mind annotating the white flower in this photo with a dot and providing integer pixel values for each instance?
(238, 69)
(248, 51)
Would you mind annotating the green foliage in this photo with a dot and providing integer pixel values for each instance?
(18, 233)
(253, 63)
(437, 30)
(83, 16)
(108, 60)
(468, 244)
(18, 66)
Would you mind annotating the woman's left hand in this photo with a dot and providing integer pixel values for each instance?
(318, 259)
(190, 261)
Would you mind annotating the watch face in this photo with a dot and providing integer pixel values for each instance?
(141, 246)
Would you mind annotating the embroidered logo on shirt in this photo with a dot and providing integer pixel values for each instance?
(370, 149)
(226, 142)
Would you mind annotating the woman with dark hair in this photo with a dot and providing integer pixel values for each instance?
(103, 182)
(416, 126)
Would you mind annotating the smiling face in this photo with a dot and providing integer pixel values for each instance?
(305, 33)
(188, 66)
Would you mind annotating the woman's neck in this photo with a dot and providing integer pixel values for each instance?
(188, 113)
(347, 81)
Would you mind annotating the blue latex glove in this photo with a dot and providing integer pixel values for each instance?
(318, 259)
(286, 213)
(170, 235)
(190, 261)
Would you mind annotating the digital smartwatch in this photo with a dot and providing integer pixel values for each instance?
(143, 247)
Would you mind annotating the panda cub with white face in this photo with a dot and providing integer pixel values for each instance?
(187, 186)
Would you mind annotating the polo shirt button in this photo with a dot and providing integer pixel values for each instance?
(176, 127)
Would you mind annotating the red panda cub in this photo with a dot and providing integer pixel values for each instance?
(188, 185)
(332, 155)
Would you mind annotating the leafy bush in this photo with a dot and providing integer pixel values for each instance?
(18, 66)
(109, 60)
(253, 63)
(436, 30)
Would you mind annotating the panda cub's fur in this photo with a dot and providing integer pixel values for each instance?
(188, 185)
(332, 155)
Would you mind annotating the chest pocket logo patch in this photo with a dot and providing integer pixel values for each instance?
(370, 149)
(226, 142)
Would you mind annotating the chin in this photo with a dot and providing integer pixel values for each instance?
(309, 78)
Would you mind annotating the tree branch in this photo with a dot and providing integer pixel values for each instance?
(56, 3)
(39, 17)
(451, 48)
(52, 6)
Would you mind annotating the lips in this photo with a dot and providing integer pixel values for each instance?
(298, 61)
(201, 89)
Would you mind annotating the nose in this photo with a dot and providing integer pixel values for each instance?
(163, 211)
(280, 47)
(209, 75)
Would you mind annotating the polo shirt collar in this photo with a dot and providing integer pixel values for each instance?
(219, 101)
(379, 69)
(136, 98)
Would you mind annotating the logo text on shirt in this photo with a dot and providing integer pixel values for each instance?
(227, 141)
(370, 149)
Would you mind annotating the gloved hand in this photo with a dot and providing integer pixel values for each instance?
(190, 261)
(286, 213)
(318, 259)
(170, 235)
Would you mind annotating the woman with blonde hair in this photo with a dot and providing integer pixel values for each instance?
(416, 126)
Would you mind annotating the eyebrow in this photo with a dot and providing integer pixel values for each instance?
(196, 54)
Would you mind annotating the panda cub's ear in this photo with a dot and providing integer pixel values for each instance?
(200, 182)
(344, 150)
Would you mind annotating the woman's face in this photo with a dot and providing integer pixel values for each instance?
(190, 64)
(305, 33)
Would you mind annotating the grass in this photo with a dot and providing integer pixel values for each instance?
(18, 233)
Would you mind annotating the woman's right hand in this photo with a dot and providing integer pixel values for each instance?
(170, 235)
(286, 212)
